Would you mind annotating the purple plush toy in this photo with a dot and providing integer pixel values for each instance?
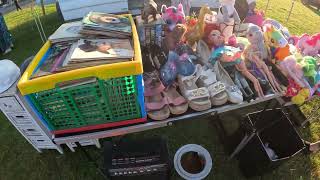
(172, 15)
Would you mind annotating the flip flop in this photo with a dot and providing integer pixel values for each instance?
(177, 103)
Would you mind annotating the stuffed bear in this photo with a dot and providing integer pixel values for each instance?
(173, 38)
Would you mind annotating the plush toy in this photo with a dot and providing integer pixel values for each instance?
(252, 53)
(309, 45)
(150, 8)
(232, 41)
(281, 53)
(195, 32)
(276, 41)
(231, 57)
(293, 40)
(176, 65)
(185, 3)
(301, 97)
(304, 94)
(293, 70)
(274, 37)
(251, 7)
(292, 89)
(169, 72)
(277, 26)
(254, 16)
(173, 38)
(239, 42)
(309, 67)
(228, 17)
(172, 15)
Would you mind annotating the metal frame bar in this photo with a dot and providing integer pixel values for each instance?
(158, 124)
(290, 11)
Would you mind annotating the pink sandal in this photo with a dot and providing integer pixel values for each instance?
(156, 104)
(177, 103)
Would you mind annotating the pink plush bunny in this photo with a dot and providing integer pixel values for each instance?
(292, 69)
(172, 15)
(185, 3)
(309, 45)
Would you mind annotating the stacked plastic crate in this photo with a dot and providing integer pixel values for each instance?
(113, 98)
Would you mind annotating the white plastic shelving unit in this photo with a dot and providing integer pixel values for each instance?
(15, 108)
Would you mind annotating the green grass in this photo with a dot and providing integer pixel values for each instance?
(20, 161)
(27, 40)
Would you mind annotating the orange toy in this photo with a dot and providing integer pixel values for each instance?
(282, 53)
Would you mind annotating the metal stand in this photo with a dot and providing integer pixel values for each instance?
(267, 6)
(158, 124)
(38, 23)
(292, 4)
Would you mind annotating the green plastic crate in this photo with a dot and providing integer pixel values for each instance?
(99, 102)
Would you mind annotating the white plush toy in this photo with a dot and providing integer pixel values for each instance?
(185, 3)
(228, 17)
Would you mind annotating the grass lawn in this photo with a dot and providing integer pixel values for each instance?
(20, 161)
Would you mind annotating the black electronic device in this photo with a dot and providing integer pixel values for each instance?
(145, 159)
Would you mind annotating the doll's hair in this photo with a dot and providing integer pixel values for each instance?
(258, 34)
(207, 30)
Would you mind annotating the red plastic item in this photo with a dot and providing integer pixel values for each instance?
(100, 126)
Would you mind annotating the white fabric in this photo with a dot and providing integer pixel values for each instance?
(226, 28)
(229, 4)
(9, 74)
(250, 1)
(230, 9)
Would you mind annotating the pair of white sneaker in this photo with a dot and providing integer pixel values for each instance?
(234, 94)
